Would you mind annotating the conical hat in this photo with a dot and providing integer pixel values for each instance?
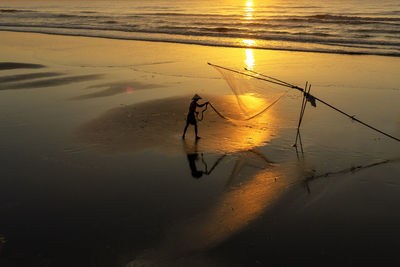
(196, 97)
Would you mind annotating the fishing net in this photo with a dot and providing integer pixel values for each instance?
(253, 96)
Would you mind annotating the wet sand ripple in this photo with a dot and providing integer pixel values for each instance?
(16, 65)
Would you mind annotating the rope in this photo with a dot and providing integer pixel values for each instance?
(218, 113)
(251, 117)
(202, 114)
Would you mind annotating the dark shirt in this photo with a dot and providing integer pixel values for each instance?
(192, 107)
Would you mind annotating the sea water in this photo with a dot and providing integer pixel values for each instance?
(349, 27)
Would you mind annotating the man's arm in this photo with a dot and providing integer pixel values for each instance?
(202, 105)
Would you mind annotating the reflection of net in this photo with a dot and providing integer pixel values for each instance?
(253, 96)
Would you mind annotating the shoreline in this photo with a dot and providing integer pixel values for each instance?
(395, 55)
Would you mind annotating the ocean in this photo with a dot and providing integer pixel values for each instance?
(344, 27)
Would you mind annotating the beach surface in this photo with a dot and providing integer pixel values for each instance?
(95, 172)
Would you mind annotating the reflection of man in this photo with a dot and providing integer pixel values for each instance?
(193, 156)
(191, 119)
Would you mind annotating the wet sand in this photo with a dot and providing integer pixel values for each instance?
(95, 172)
(159, 125)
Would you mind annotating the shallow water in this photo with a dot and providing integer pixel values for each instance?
(103, 179)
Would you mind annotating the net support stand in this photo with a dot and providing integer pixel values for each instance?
(307, 97)
(307, 90)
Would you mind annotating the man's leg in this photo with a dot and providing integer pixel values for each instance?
(195, 130)
(184, 131)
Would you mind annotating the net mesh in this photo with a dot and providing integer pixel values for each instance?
(253, 96)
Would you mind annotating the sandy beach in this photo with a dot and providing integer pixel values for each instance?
(96, 172)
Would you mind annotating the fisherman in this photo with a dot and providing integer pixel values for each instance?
(191, 118)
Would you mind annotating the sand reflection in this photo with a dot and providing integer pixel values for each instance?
(110, 89)
(238, 207)
(2, 242)
(232, 213)
(18, 65)
(159, 125)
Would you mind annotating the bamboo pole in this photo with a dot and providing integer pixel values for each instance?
(302, 110)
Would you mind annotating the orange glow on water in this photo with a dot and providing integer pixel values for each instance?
(249, 59)
(248, 42)
(248, 10)
(233, 211)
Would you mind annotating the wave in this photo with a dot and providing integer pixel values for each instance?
(321, 17)
(171, 39)
(266, 35)
(88, 12)
(376, 31)
(76, 16)
(325, 18)
(10, 10)
(234, 31)
(350, 18)
(184, 14)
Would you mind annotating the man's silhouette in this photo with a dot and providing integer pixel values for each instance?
(191, 118)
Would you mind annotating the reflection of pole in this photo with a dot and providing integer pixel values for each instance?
(346, 171)
(303, 108)
(301, 147)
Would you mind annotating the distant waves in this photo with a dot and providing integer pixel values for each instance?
(374, 29)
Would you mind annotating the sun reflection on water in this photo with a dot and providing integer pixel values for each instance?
(248, 10)
(248, 42)
(249, 59)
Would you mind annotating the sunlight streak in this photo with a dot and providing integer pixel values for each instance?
(249, 59)
(248, 10)
(248, 42)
